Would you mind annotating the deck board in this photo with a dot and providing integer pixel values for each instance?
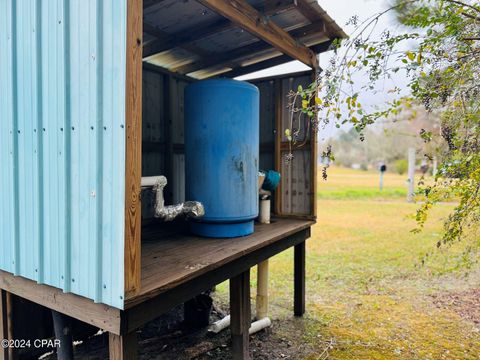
(169, 260)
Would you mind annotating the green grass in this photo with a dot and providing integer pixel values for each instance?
(343, 184)
(363, 194)
(367, 292)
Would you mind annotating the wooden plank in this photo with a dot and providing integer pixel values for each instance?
(168, 129)
(314, 162)
(278, 143)
(230, 58)
(297, 193)
(100, 315)
(123, 347)
(180, 258)
(153, 304)
(299, 279)
(245, 16)
(3, 324)
(296, 183)
(133, 156)
(240, 315)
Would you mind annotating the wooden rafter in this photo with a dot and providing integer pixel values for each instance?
(165, 42)
(229, 57)
(149, 3)
(245, 16)
(307, 10)
(166, 39)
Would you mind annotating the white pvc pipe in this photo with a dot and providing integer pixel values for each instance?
(262, 290)
(224, 323)
(261, 305)
(220, 325)
(264, 216)
(259, 325)
(411, 175)
(148, 181)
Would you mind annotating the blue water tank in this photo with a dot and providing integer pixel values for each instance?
(221, 155)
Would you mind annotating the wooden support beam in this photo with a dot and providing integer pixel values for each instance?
(62, 325)
(3, 324)
(240, 314)
(313, 159)
(278, 60)
(99, 315)
(279, 103)
(299, 279)
(123, 347)
(231, 56)
(307, 10)
(133, 155)
(245, 16)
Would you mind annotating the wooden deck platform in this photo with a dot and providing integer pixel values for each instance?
(175, 268)
(168, 261)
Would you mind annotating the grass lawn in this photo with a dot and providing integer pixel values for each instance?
(368, 297)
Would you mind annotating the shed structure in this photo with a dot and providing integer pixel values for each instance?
(74, 144)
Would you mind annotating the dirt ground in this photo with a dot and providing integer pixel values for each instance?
(167, 338)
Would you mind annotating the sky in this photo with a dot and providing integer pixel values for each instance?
(341, 11)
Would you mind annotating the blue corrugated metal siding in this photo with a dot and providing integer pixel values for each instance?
(62, 144)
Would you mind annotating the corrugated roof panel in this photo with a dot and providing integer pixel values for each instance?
(223, 41)
(173, 58)
(62, 144)
(174, 16)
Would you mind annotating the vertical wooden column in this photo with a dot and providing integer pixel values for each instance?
(278, 143)
(123, 347)
(314, 161)
(299, 279)
(3, 323)
(240, 314)
(63, 332)
(133, 151)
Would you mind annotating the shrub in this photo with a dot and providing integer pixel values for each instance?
(401, 166)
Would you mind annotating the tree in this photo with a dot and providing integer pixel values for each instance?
(438, 51)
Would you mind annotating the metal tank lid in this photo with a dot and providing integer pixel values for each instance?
(224, 82)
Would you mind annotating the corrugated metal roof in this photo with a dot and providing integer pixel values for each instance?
(62, 144)
(166, 21)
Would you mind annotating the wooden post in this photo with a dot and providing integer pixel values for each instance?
(3, 324)
(278, 207)
(63, 333)
(6, 324)
(299, 279)
(133, 151)
(123, 347)
(240, 314)
(411, 175)
(262, 290)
